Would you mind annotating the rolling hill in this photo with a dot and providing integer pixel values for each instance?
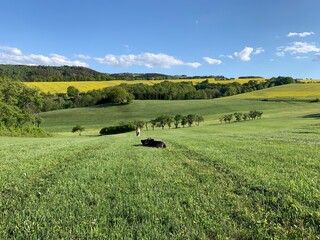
(250, 179)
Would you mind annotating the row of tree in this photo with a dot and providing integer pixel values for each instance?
(75, 98)
(170, 121)
(167, 90)
(186, 90)
(160, 122)
(238, 116)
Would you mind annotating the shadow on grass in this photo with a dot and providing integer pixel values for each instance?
(305, 132)
(316, 115)
(106, 105)
(138, 145)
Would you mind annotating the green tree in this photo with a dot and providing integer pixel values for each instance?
(221, 119)
(162, 120)
(73, 92)
(153, 123)
(79, 129)
(199, 119)
(227, 118)
(245, 116)
(238, 116)
(190, 119)
(118, 95)
(38, 120)
(184, 121)
(177, 120)
(138, 124)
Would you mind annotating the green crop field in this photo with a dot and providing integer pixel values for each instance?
(255, 179)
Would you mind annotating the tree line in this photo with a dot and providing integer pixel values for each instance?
(204, 90)
(167, 90)
(72, 73)
(170, 121)
(238, 116)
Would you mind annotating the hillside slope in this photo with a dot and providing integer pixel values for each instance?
(248, 180)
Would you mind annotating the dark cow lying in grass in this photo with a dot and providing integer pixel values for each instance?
(150, 142)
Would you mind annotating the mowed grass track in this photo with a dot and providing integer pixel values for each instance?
(249, 180)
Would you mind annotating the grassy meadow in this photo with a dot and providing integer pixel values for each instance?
(255, 179)
(84, 86)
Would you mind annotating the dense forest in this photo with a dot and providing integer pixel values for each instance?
(68, 73)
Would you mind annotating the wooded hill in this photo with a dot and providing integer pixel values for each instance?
(26, 73)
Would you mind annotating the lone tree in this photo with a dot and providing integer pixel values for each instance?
(79, 129)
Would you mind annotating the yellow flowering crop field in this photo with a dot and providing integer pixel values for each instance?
(84, 86)
(289, 91)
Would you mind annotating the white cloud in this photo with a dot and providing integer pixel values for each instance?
(303, 34)
(301, 57)
(10, 55)
(258, 51)
(244, 55)
(10, 50)
(82, 56)
(226, 56)
(297, 48)
(280, 53)
(149, 60)
(212, 61)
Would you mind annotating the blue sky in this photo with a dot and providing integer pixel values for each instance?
(192, 37)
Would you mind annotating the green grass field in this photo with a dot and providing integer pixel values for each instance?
(249, 180)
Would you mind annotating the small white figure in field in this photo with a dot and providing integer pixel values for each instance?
(138, 132)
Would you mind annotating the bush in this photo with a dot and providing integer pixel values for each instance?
(25, 131)
(117, 129)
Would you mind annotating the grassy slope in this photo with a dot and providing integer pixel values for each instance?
(254, 179)
(94, 118)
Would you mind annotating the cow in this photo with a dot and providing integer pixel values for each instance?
(150, 142)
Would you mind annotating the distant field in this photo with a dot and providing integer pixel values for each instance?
(310, 81)
(84, 86)
(289, 91)
(254, 179)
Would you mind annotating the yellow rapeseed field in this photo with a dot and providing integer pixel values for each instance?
(84, 86)
(289, 91)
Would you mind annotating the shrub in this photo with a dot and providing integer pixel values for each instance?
(117, 129)
(25, 131)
